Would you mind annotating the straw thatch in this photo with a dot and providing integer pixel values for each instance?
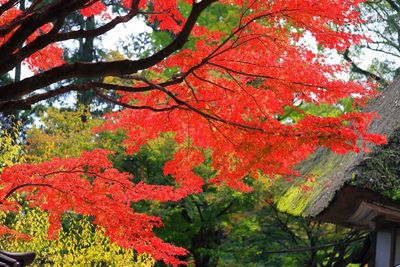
(332, 171)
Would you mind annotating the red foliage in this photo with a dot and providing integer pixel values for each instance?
(43, 59)
(90, 185)
(227, 95)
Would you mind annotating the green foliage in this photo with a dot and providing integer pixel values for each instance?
(221, 18)
(197, 222)
(295, 114)
(78, 244)
(219, 226)
(10, 150)
(224, 227)
(5, 79)
(265, 237)
(380, 171)
(64, 133)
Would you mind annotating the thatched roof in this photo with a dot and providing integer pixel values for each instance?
(332, 171)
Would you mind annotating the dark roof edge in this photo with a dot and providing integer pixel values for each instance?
(347, 202)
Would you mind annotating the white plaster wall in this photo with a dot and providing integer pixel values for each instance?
(382, 258)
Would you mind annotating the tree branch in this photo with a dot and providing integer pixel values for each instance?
(393, 5)
(29, 49)
(126, 105)
(26, 104)
(81, 69)
(33, 21)
(6, 6)
(358, 70)
(100, 30)
(12, 191)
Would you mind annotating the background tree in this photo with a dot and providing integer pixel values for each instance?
(382, 25)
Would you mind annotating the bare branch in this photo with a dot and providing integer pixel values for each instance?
(126, 105)
(359, 70)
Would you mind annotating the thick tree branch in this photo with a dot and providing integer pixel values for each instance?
(80, 69)
(34, 46)
(26, 103)
(13, 24)
(33, 21)
(359, 70)
(6, 6)
(15, 189)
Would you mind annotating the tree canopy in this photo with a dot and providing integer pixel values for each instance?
(381, 25)
(225, 84)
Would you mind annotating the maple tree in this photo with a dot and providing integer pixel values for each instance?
(214, 226)
(227, 89)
